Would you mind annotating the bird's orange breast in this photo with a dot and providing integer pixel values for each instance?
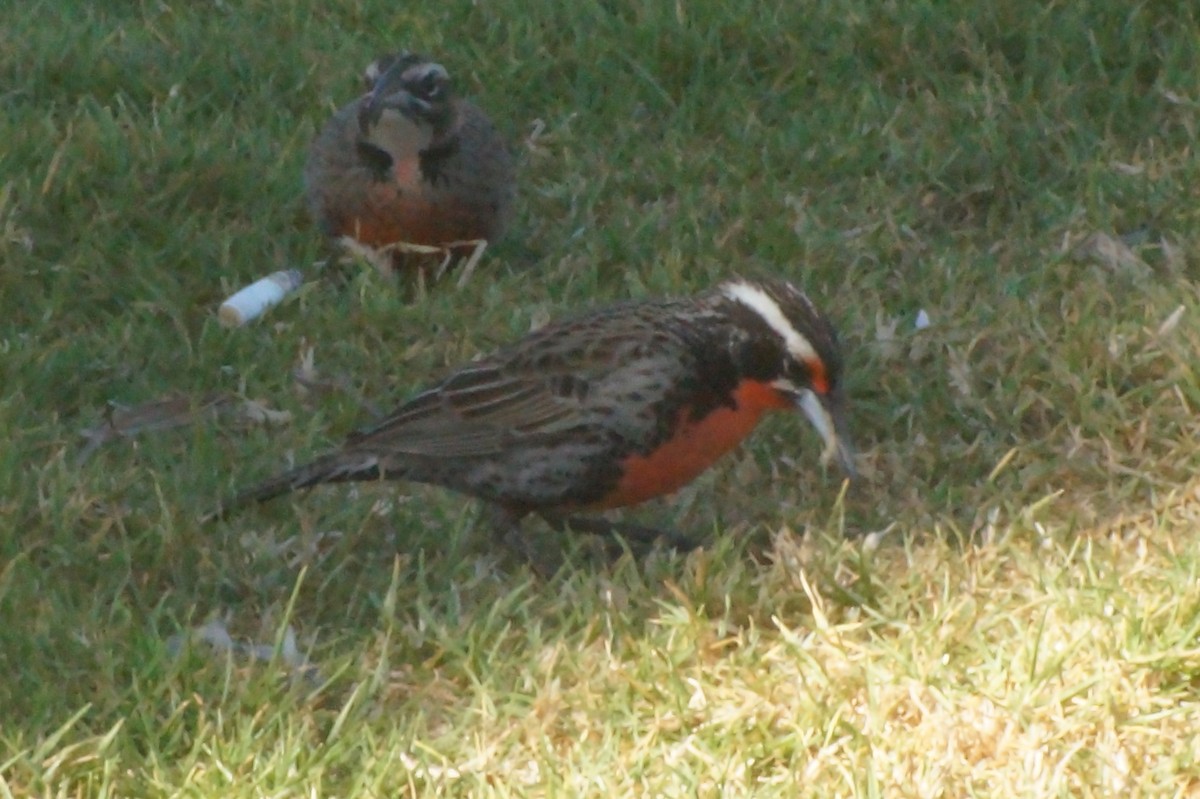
(407, 210)
(696, 445)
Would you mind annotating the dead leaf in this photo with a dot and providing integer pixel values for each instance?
(257, 412)
(167, 413)
(305, 374)
(1111, 253)
(960, 372)
(887, 341)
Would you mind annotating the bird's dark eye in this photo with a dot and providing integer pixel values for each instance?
(430, 87)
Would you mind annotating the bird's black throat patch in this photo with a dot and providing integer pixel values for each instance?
(377, 160)
(433, 159)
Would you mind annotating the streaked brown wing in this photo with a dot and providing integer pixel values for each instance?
(545, 384)
(475, 412)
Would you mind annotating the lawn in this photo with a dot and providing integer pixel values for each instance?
(1007, 604)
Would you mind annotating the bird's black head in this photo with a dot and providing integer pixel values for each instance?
(791, 345)
(410, 84)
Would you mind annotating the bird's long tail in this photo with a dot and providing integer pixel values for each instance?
(337, 467)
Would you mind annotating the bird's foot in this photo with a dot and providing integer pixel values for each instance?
(506, 529)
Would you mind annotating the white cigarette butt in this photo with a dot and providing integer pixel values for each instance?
(252, 301)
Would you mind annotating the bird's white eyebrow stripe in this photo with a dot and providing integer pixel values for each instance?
(427, 69)
(762, 304)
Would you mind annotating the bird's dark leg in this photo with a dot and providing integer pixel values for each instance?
(639, 535)
(506, 528)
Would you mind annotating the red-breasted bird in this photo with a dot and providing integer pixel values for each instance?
(409, 162)
(604, 410)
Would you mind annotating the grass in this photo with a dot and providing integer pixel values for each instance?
(1006, 606)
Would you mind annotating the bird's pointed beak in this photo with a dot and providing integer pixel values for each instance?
(387, 94)
(827, 414)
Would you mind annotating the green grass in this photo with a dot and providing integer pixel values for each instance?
(1007, 605)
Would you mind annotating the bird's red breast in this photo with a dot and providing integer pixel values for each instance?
(401, 211)
(696, 445)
